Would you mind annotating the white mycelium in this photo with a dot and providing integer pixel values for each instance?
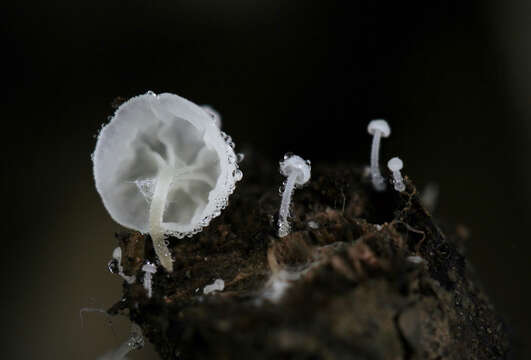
(134, 342)
(377, 128)
(163, 166)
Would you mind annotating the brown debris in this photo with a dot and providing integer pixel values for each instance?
(348, 289)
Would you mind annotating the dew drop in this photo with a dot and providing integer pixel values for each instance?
(288, 155)
(232, 157)
(113, 266)
(238, 174)
(240, 157)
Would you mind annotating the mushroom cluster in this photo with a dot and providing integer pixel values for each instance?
(163, 166)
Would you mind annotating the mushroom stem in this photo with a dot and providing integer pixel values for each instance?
(283, 223)
(156, 211)
(376, 176)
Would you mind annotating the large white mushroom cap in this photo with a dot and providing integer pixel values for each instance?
(150, 134)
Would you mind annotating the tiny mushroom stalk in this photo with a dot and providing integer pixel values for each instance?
(377, 128)
(156, 211)
(149, 269)
(298, 172)
(395, 165)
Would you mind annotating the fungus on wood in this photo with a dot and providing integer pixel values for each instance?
(363, 275)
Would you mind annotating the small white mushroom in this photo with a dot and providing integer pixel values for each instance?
(117, 260)
(149, 269)
(163, 167)
(395, 165)
(217, 285)
(298, 172)
(377, 128)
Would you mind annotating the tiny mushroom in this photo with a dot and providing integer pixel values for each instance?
(377, 128)
(116, 264)
(163, 167)
(395, 165)
(149, 269)
(298, 172)
(217, 285)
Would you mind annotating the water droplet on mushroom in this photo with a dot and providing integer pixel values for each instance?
(288, 155)
(238, 175)
(112, 265)
(240, 157)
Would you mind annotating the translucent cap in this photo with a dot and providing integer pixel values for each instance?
(395, 164)
(149, 268)
(379, 125)
(216, 117)
(150, 134)
(296, 164)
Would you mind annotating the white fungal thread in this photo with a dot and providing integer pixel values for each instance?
(278, 284)
(395, 165)
(117, 258)
(134, 342)
(162, 166)
(91, 309)
(217, 285)
(298, 172)
(377, 128)
(149, 269)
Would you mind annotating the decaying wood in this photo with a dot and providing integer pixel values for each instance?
(366, 276)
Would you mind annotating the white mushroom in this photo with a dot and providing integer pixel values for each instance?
(149, 269)
(116, 263)
(298, 172)
(395, 165)
(163, 166)
(217, 285)
(377, 128)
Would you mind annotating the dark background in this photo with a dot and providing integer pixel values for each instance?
(452, 77)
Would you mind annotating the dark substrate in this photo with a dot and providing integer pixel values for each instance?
(365, 275)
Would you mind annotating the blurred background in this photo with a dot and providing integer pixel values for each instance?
(452, 77)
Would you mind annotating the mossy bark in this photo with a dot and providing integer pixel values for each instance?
(352, 289)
